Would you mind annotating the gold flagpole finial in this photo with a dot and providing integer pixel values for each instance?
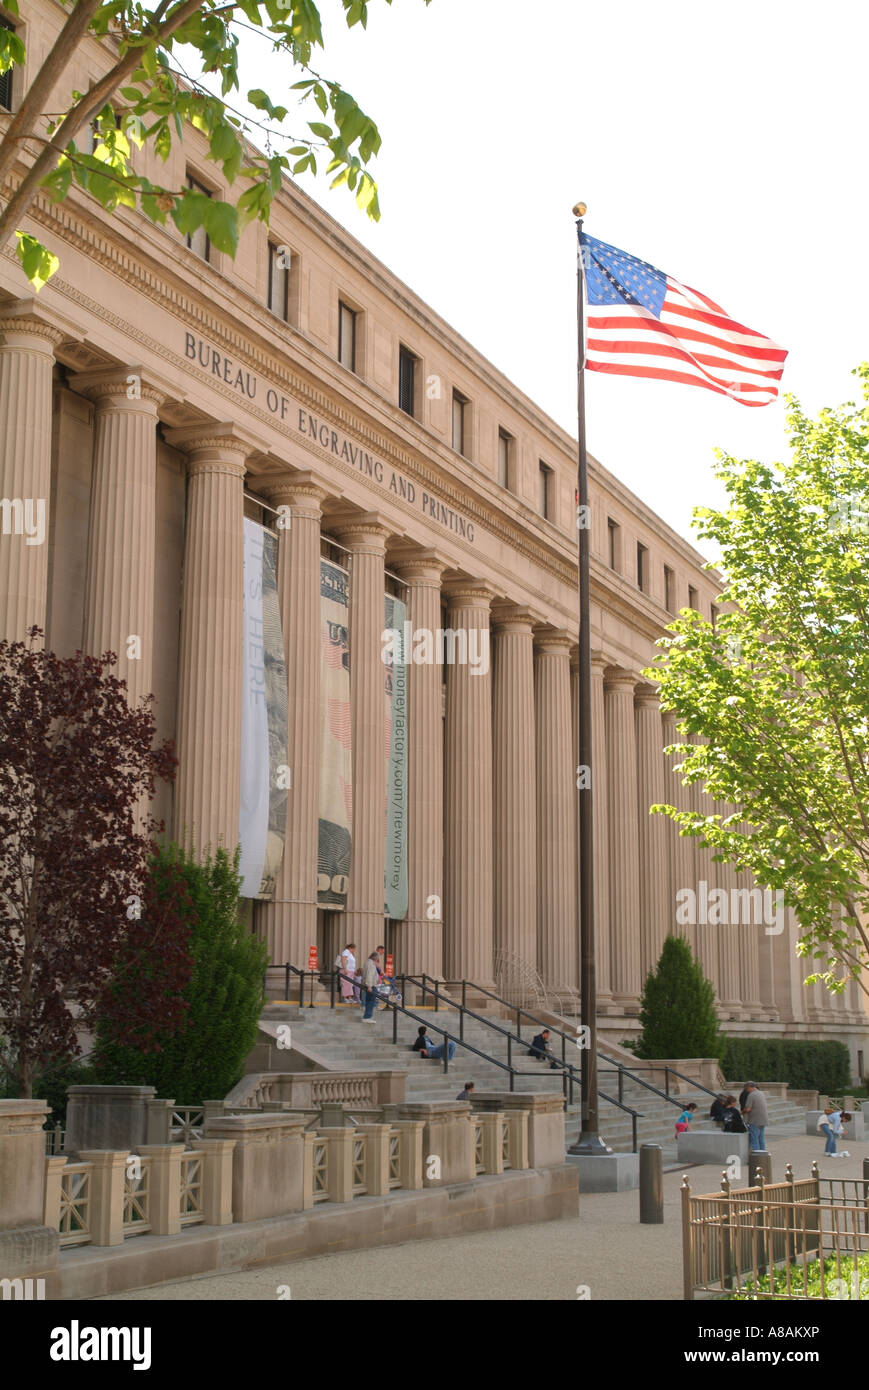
(580, 210)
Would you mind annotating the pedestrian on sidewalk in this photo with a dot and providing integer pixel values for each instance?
(370, 981)
(756, 1116)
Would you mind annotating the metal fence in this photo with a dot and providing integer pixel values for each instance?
(799, 1239)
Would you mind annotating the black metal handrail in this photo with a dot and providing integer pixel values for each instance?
(569, 1073)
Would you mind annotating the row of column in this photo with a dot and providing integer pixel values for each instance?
(492, 802)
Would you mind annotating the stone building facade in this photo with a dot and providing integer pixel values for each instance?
(156, 393)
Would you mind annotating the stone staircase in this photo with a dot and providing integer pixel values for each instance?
(338, 1040)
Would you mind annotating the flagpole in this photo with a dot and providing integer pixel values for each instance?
(589, 1141)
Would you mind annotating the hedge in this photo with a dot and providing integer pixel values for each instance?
(806, 1066)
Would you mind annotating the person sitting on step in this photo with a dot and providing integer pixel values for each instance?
(427, 1048)
(542, 1049)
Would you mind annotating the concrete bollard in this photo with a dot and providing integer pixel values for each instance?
(759, 1166)
(651, 1184)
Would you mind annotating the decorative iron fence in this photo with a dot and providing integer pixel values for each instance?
(783, 1240)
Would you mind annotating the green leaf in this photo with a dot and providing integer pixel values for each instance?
(38, 262)
(221, 224)
(323, 132)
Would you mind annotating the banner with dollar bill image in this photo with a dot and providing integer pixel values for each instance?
(336, 772)
(395, 884)
(264, 771)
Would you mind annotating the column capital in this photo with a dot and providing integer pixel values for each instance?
(26, 319)
(111, 386)
(364, 535)
(302, 492)
(646, 697)
(599, 662)
(615, 676)
(469, 593)
(212, 447)
(553, 641)
(513, 617)
(421, 569)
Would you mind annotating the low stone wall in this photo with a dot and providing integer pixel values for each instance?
(508, 1199)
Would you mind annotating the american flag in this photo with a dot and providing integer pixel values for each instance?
(641, 322)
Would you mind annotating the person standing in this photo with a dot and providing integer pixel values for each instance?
(347, 966)
(756, 1116)
(370, 981)
(830, 1125)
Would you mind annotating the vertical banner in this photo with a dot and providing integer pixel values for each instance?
(264, 771)
(395, 877)
(336, 770)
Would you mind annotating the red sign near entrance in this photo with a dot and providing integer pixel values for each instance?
(312, 958)
(390, 966)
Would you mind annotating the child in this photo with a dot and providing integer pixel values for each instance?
(683, 1124)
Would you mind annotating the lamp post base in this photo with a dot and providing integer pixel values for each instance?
(589, 1144)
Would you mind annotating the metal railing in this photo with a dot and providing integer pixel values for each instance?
(570, 1073)
(801, 1239)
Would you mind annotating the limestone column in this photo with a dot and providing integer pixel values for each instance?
(737, 943)
(207, 790)
(681, 847)
(574, 739)
(653, 829)
(556, 812)
(468, 818)
(119, 588)
(515, 792)
(705, 877)
(421, 935)
(600, 793)
(27, 343)
(365, 539)
(623, 839)
(289, 923)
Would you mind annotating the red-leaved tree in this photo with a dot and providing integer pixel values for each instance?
(76, 765)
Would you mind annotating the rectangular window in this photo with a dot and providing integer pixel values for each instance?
(544, 490)
(6, 77)
(460, 403)
(278, 299)
(669, 590)
(406, 381)
(642, 556)
(505, 442)
(346, 336)
(612, 543)
(199, 241)
(692, 599)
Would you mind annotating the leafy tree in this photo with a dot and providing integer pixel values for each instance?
(778, 689)
(76, 764)
(203, 1059)
(159, 97)
(677, 1009)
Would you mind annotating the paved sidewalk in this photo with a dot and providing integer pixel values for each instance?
(605, 1250)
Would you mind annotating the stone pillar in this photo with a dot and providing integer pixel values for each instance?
(289, 924)
(600, 793)
(735, 941)
(623, 838)
(556, 812)
(421, 935)
(468, 895)
(705, 873)
(207, 791)
(27, 343)
(515, 792)
(164, 1182)
(653, 836)
(119, 589)
(364, 918)
(681, 847)
(574, 730)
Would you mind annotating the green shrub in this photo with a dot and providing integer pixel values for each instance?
(677, 1010)
(205, 1056)
(842, 1280)
(823, 1066)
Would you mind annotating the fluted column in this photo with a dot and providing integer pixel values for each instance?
(365, 539)
(27, 343)
(207, 790)
(653, 830)
(514, 785)
(704, 880)
(119, 588)
(556, 810)
(421, 935)
(289, 924)
(681, 847)
(623, 838)
(600, 793)
(737, 943)
(574, 743)
(468, 895)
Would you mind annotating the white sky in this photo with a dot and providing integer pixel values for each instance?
(725, 144)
